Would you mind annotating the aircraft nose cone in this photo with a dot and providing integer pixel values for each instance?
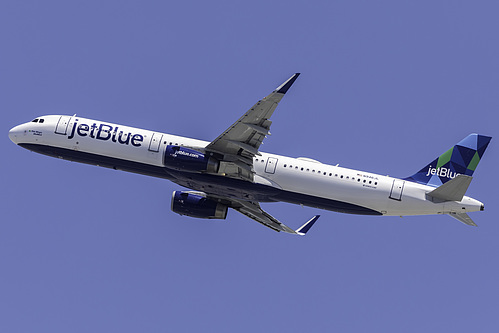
(14, 134)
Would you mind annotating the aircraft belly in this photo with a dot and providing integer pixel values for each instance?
(211, 184)
(100, 160)
(413, 201)
(334, 190)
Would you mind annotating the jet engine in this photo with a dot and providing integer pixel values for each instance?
(196, 204)
(185, 159)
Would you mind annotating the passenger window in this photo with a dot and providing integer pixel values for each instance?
(285, 165)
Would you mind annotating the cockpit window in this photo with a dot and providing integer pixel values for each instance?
(41, 121)
(35, 120)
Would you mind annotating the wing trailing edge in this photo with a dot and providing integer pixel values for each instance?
(237, 145)
(256, 213)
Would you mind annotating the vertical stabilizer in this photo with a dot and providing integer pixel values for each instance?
(462, 159)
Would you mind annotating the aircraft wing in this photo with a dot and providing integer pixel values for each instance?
(237, 146)
(255, 212)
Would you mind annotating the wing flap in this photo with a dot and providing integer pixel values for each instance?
(241, 141)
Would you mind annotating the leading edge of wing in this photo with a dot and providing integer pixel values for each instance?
(239, 144)
(255, 212)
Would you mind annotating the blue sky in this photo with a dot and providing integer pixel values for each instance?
(385, 87)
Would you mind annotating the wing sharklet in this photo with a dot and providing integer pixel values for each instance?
(283, 88)
(306, 227)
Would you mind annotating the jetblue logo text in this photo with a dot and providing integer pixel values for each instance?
(105, 132)
(442, 172)
(187, 154)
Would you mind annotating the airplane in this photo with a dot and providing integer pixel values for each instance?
(231, 171)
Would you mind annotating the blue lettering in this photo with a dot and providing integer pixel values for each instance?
(123, 141)
(82, 129)
(137, 138)
(107, 132)
(73, 130)
(93, 127)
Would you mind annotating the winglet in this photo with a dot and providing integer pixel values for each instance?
(283, 88)
(306, 227)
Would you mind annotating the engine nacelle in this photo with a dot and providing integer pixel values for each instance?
(185, 159)
(196, 204)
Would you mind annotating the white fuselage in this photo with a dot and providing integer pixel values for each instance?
(65, 136)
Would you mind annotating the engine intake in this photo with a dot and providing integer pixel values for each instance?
(196, 204)
(185, 159)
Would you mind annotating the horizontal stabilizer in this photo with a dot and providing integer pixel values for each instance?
(453, 190)
(463, 217)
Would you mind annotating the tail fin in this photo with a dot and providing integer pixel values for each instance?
(462, 159)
